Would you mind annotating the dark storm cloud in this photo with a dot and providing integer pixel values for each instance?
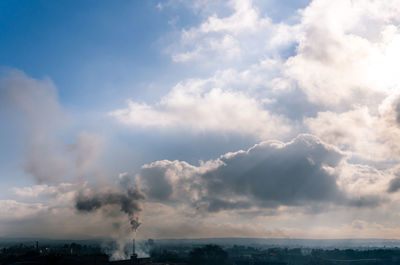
(394, 185)
(268, 175)
(278, 173)
(216, 205)
(157, 186)
(366, 201)
(397, 110)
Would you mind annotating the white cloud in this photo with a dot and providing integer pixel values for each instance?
(351, 130)
(43, 190)
(12, 210)
(241, 53)
(341, 61)
(191, 105)
(242, 36)
(345, 63)
(369, 135)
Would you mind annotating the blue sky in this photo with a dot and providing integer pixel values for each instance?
(99, 53)
(231, 118)
(113, 50)
(82, 47)
(96, 53)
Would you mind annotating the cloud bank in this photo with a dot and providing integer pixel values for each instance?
(316, 92)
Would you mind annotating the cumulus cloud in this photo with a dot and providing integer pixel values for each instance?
(241, 36)
(394, 184)
(268, 175)
(351, 130)
(338, 63)
(339, 59)
(45, 192)
(275, 173)
(368, 134)
(331, 73)
(241, 53)
(194, 106)
(12, 210)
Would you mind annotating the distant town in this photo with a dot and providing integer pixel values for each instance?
(193, 252)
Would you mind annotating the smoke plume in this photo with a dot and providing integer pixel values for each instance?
(128, 201)
(51, 159)
(121, 207)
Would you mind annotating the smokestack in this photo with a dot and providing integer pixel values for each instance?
(134, 256)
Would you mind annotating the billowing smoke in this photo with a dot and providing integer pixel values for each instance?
(51, 159)
(121, 207)
(128, 201)
(135, 223)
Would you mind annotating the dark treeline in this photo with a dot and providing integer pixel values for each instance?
(201, 255)
(245, 255)
(47, 254)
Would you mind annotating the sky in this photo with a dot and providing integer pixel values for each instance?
(242, 118)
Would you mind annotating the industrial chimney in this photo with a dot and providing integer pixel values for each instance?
(134, 255)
